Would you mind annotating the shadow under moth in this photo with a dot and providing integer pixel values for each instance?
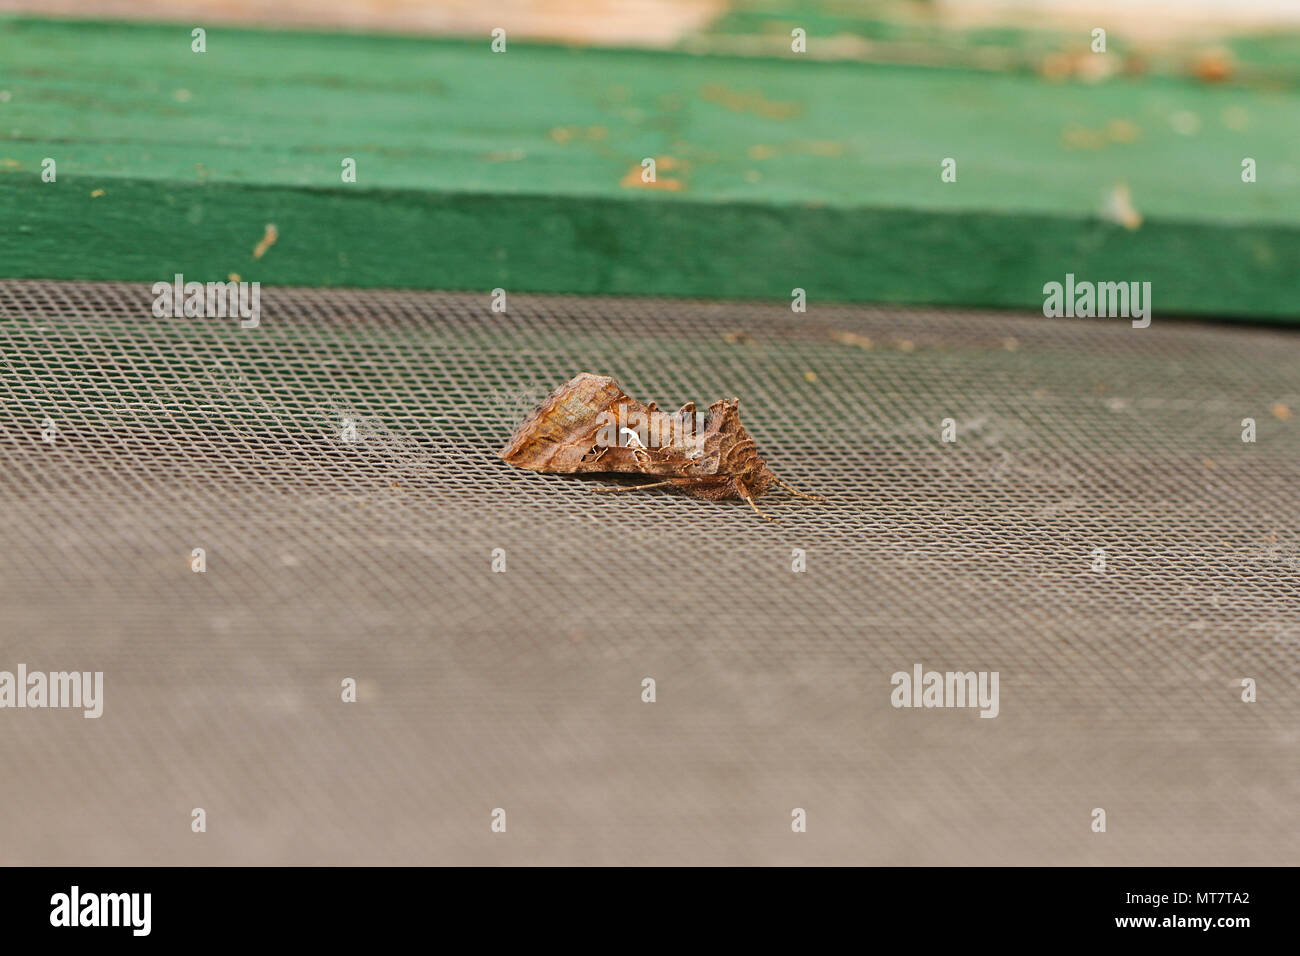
(590, 425)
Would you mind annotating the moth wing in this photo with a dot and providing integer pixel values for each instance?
(559, 434)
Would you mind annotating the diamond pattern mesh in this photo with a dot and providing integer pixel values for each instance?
(372, 559)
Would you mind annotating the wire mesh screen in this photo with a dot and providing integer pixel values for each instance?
(1098, 533)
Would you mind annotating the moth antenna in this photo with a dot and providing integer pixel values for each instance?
(653, 484)
(795, 491)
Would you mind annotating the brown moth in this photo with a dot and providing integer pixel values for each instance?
(590, 425)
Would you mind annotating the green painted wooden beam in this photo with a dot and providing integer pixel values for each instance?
(520, 170)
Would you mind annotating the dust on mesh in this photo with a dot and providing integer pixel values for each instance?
(1074, 439)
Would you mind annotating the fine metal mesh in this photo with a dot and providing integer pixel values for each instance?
(1119, 688)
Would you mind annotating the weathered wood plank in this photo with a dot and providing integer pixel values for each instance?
(477, 170)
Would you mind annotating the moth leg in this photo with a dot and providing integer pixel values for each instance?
(653, 484)
(761, 514)
(796, 491)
